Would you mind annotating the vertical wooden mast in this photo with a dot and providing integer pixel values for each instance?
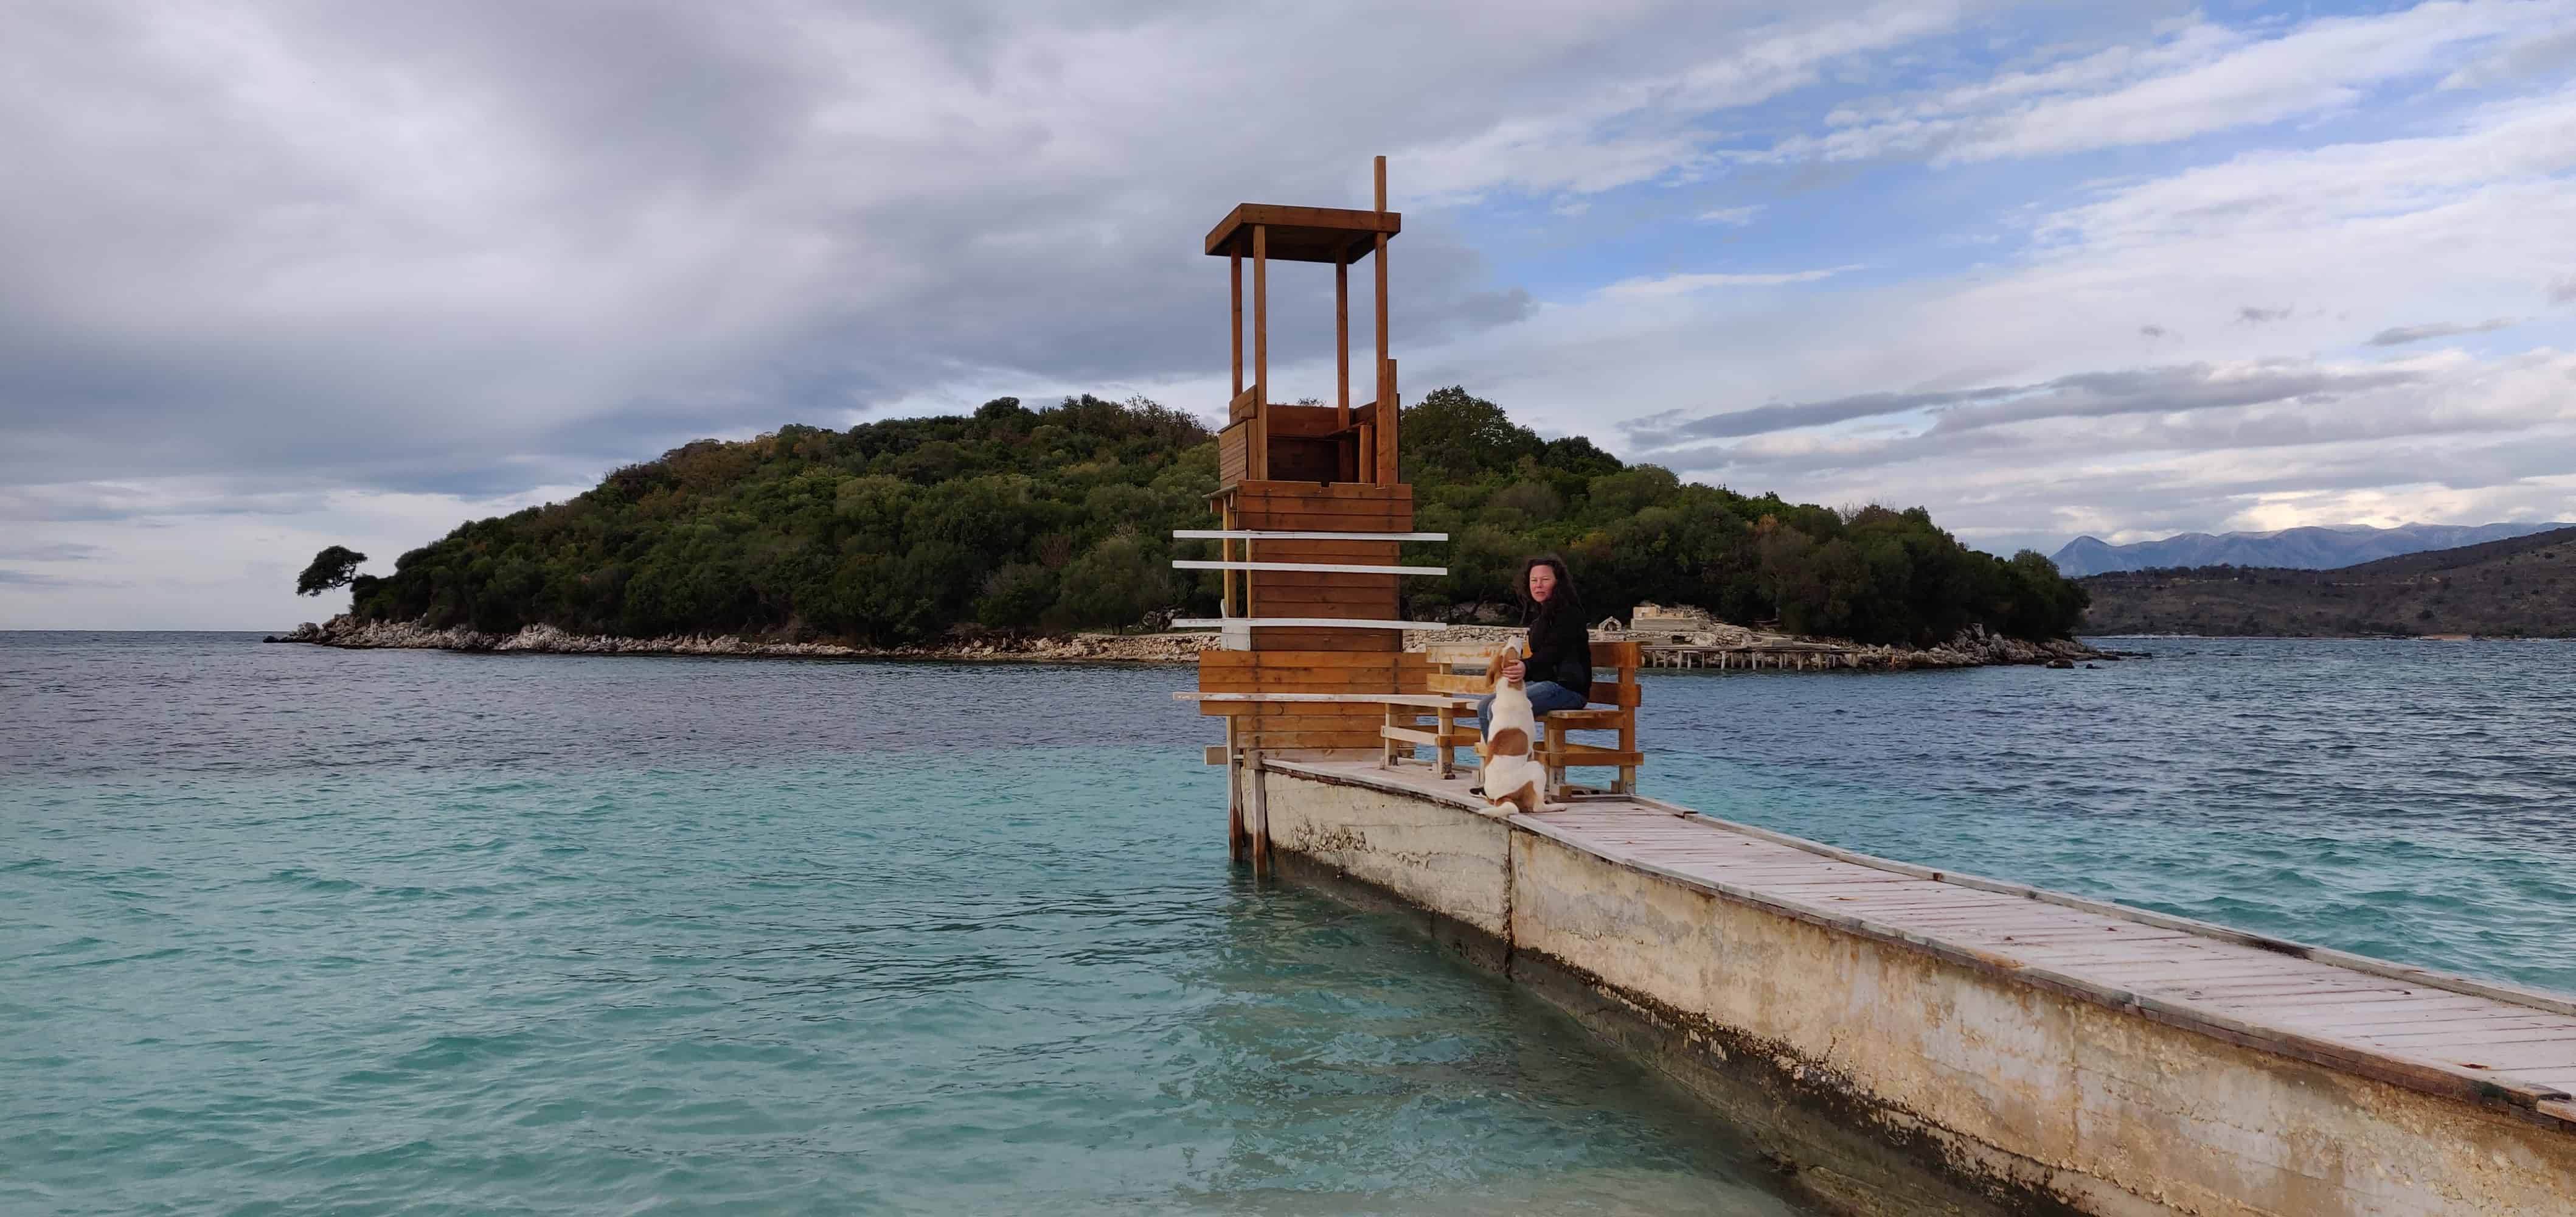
(1341, 343)
(1260, 351)
(1386, 404)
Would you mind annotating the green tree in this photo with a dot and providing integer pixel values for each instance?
(1114, 585)
(334, 567)
(900, 530)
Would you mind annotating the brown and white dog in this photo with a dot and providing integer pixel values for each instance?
(1510, 774)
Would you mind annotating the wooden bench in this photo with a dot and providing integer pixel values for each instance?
(1613, 708)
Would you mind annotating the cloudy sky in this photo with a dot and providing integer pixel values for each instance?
(279, 275)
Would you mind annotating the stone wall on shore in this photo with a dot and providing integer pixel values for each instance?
(1973, 648)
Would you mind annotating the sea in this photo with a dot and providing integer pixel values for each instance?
(293, 930)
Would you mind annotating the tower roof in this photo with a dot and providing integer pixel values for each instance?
(1304, 234)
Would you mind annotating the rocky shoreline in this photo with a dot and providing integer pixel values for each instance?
(1972, 648)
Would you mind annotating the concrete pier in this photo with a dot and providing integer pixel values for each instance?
(1911, 1041)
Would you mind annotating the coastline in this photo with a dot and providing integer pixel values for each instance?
(1971, 649)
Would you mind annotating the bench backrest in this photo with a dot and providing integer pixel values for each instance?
(1459, 667)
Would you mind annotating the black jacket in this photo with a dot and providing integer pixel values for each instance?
(1560, 647)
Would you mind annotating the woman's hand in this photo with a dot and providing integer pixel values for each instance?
(1514, 670)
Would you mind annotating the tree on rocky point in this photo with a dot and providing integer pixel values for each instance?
(333, 567)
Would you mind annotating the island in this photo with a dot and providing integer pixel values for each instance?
(1046, 533)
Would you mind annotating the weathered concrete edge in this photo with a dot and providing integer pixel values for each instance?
(2558, 1003)
(2546, 1107)
(1837, 1145)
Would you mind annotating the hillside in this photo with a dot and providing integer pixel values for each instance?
(2291, 548)
(909, 530)
(2525, 587)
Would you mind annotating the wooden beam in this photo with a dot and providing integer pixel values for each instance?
(1303, 623)
(1342, 339)
(1424, 701)
(1260, 816)
(1385, 472)
(1215, 534)
(1261, 348)
(1390, 412)
(1237, 841)
(1226, 537)
(1237, 263)
(1333, 568)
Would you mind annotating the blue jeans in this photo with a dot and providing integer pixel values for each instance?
(1544, 695)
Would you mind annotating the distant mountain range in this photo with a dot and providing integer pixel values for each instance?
(2521, 587)
(2288, 549)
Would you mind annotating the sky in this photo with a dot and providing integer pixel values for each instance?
(275, 276)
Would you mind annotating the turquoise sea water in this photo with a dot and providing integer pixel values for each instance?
(292, 930)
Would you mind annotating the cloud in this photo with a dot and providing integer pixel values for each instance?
(2084, 395)
(470, 247)
(22, 578)
(2404, 334)
(2199, 78)
(1675, 285)
(388, 269)
(49, 553)
(2539, 55)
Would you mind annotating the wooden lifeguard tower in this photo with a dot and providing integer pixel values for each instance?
(1314, 511)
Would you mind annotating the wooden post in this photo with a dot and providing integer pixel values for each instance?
(1390, 406)
(1225, 553)
(1448, 751)
(1260, 817)
(1386, 408)
(1238, 842)
(1237, 262)
(1341, 340)
(1627, 743)
(1260, 437)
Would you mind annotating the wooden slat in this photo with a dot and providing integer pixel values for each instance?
(1340, 568)
(1317, 498)
(1241, 534)
(1241, 407)
(1298, 661)
(1338, 490)
(1381, 682)
(1313, 739)
(1302, 623)
(1234, 453)
(1366, 641)
(1332, 551)
(1293, 591)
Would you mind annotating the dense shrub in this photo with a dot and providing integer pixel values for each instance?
(1062, 518)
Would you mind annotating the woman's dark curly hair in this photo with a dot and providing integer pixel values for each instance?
(1562, 600)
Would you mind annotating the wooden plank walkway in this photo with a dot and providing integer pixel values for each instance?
(2392, 1022)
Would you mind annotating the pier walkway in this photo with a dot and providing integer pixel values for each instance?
(2496, 1045)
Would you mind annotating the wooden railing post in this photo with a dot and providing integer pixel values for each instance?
(1238, 842)
(1260, 455)
(1260, 817)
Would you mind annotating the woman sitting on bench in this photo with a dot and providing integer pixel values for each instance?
(1559, 667)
